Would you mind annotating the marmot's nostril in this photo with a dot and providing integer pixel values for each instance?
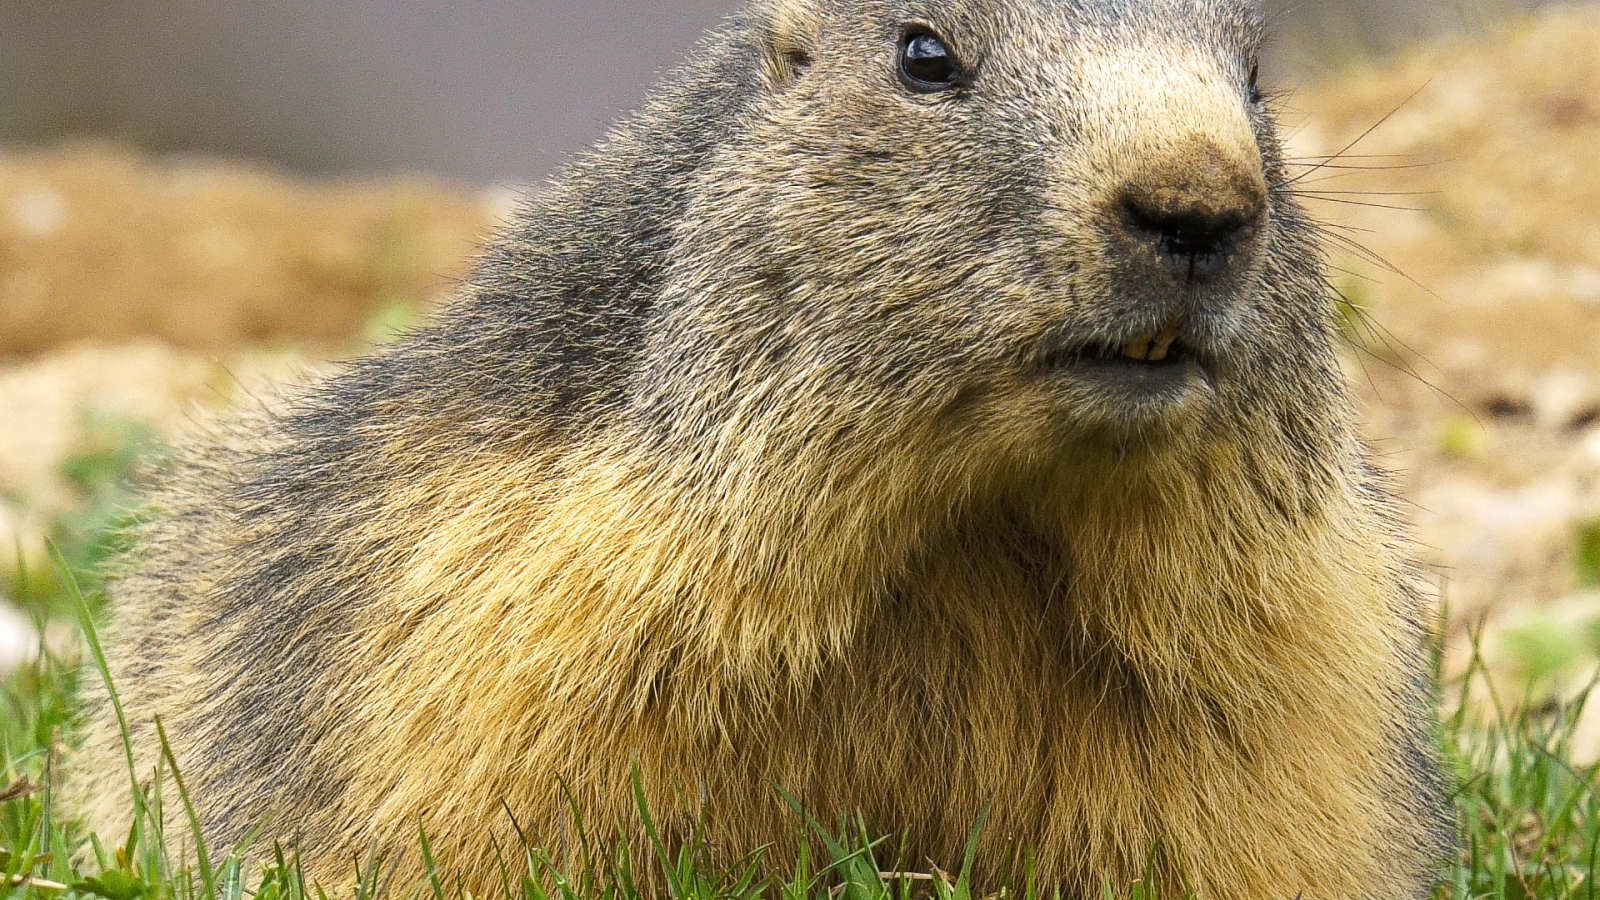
(1196, 210)
(1193, 241)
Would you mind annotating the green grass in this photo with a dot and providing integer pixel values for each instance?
(1588, 551)
(1529, 816)
(109, 451)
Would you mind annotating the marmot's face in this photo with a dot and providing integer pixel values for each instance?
(1062, 222)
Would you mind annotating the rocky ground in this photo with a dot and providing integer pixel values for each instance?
(1458, 182)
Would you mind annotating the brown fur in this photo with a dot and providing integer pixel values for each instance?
(758, 454)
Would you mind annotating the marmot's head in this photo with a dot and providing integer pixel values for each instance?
(1020, 230)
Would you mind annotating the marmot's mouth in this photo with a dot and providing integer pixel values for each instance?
(1157, 349)
(1154, 347)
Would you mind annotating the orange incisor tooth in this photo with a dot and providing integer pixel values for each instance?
(1139, 349)
(1163, 341)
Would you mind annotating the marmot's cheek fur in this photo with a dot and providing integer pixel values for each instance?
(919, 411)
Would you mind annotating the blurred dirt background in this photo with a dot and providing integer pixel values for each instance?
(1464, 214)
(1460, 181)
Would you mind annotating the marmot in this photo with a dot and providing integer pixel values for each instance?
(919, 407)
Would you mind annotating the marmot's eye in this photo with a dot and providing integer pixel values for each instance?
(1255, 91)
(926, 64)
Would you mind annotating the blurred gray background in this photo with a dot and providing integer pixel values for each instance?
(495, 90)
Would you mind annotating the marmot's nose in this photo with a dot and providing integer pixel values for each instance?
(1191, 214)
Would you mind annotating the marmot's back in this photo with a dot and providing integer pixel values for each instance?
(917, 411)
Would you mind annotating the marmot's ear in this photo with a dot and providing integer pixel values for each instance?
(790, 39)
